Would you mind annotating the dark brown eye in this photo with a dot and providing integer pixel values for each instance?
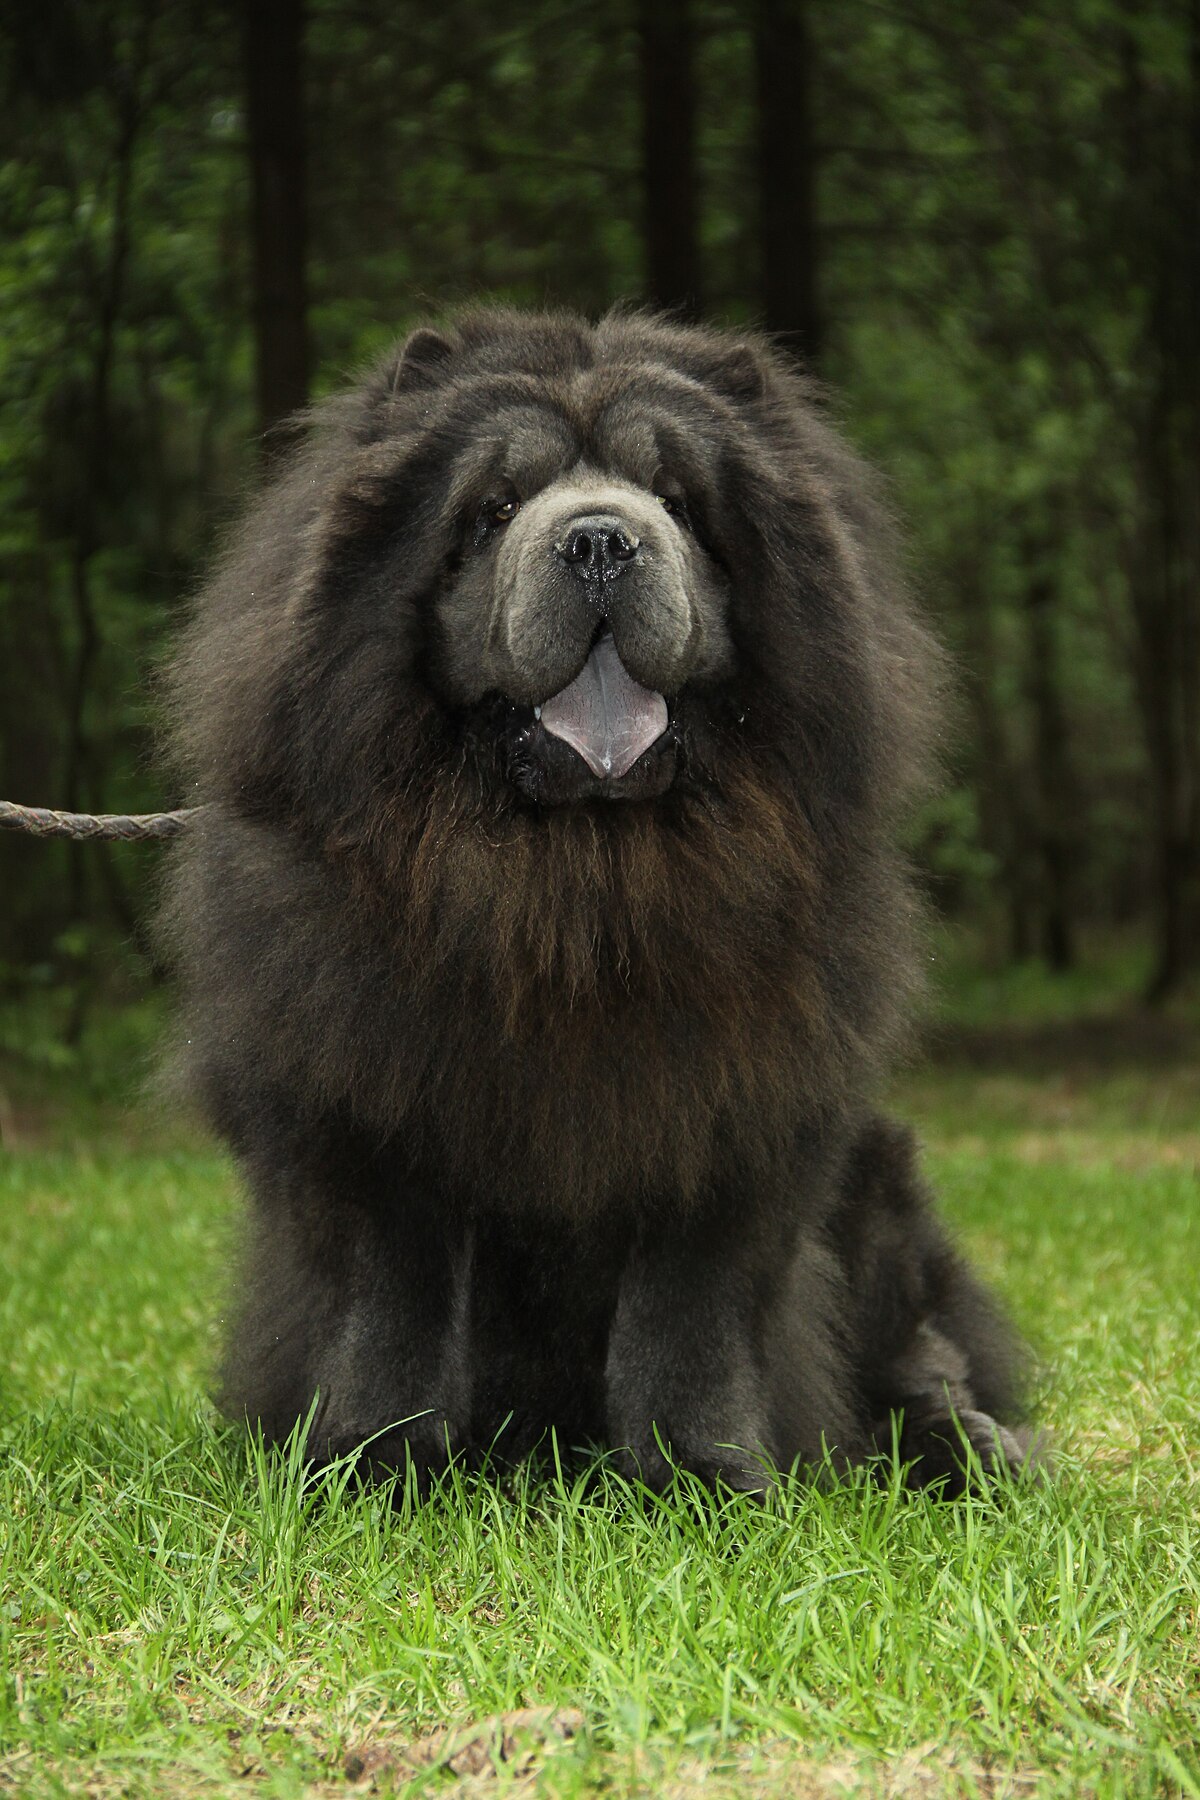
(493, 516)
(676, 508)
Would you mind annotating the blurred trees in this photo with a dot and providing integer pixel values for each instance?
(789, 241)
(273, 46)
(666, 35)
(982, 218)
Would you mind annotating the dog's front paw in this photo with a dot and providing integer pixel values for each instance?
(655, 1461)
(959, 1450)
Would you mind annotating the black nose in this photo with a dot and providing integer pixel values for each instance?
(598, 547)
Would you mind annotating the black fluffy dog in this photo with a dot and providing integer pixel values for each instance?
(544, 940)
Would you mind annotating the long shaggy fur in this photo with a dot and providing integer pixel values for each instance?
(628, 1050)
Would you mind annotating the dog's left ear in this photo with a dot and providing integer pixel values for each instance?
(420, 362)
(739, 374)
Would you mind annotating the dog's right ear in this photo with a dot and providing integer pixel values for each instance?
(420, 362)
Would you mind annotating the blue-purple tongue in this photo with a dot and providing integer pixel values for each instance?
(604, 714)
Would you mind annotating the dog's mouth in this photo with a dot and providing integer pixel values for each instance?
(604, 736)
(607, 717)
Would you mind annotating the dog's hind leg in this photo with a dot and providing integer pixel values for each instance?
(939, 1368)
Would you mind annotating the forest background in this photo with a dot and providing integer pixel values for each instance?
(978, 221)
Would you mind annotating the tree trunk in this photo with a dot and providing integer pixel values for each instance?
(1163, 584)
(669, 154)
(94, 480)
(1001, 814)
(787, 163)
(273, 34)
(1056, 799)
(1163, 170)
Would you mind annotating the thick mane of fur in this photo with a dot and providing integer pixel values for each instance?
(574, 1007)
(579, 1010)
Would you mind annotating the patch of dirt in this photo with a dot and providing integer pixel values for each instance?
(519, 1741)
(23, 1126)
(926, 1772)
(516, 1739)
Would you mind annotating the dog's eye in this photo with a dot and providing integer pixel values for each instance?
(676, 508)
(493, 516)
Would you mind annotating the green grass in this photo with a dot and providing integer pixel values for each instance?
(179, 1616)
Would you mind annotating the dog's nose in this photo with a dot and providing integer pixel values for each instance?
(597, 547)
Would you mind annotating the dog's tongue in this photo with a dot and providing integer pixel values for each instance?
(606, 715)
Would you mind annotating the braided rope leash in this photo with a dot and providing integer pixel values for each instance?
(40, 821)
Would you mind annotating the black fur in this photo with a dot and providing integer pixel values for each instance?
(553, 1090)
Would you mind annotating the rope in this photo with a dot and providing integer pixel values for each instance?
(39, 821)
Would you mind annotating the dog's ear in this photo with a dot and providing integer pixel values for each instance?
(739, 374)
(420, 362)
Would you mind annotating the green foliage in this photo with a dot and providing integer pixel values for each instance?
(1005, 277)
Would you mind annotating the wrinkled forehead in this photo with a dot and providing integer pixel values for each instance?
(640, 425)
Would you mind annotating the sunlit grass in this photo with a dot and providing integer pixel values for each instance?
(180, 1614)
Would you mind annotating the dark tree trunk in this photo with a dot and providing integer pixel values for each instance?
(1001, 815)
(94, 480)
(1163, 171)
(1056, 798)
(30, 751)
(669, 154)
(273, 34)
(1166, 607)
(787, 164)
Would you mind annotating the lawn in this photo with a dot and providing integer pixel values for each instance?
(181, 1616)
